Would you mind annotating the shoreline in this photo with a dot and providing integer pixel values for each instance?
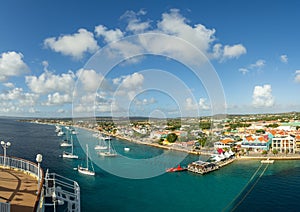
(258, 157)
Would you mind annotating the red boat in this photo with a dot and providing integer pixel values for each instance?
(176, 169)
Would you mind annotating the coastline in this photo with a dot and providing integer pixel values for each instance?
(207, 153)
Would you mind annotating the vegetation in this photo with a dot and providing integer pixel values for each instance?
(275, 151)
(264, 153)
(171, 137)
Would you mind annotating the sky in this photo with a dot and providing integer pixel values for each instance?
(148, 58)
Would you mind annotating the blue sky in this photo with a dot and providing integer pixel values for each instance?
(46, 49)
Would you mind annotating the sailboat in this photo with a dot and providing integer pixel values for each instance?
(109, 153)
(86, 170)
(101, 144)
(66, 143)
(70, 154)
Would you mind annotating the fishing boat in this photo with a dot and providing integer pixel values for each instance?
(176, 169)
(86, 170)
(70, 154)
(110, 151)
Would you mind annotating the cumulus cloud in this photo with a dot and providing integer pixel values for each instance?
(108, 35)
(262, 96)
(12, 64)
(74, 45)
(174, 24)
(190, 105)
(297, 76)
(58, 99)
(284, 58)
(234, 51)
(48, 82)
(20, 98)
(129, 85)
(90, 79)
(135, 24)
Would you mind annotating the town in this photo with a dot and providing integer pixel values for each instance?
(246, 135)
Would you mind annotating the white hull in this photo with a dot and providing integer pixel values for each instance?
(85, 171)
(126, 149)
(107, 154)
(69, 155)
(98, 147)
(65, 144)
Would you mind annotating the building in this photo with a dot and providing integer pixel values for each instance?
(284, 144)
(257, 143)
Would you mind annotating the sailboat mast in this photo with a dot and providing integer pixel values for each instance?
(87, 156)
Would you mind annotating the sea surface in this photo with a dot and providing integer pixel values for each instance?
(240, 186)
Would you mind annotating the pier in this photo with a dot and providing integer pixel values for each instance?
(201, 167)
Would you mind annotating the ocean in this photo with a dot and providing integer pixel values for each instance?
(240, 186)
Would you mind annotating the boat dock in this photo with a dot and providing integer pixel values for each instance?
(201, 167)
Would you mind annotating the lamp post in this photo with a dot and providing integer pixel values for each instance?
(39, 159)
(5, 145)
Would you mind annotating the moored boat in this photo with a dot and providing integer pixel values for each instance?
(176, 169)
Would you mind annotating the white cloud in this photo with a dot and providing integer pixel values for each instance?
(135, 24)
(9, 85)
(234, 51)
(47, 82)
(190, 105)
(90, 79)
(202, 104)
(145, 101)
(108, 35)
(18, 97)
(284, 58)
(58, 99)
(243, 70)
(258, 64)
(129, 85)
(73, 45)
(12, 64)
(297, 76)
(173, 23)
(262, 96)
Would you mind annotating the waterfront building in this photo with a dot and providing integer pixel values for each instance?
(284, 143)
(257, 143)
(224, 143)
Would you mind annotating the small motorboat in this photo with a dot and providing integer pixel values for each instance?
(176, 169)
(126, 149)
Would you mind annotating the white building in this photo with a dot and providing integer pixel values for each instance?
(285, 143)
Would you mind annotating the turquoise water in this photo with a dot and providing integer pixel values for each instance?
(275, 187)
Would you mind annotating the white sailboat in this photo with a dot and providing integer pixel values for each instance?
(101, 144)
(86, 170)
(66, 143)
(109, 153)
(70, 154)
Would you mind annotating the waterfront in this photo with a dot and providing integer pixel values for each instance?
(277, 188)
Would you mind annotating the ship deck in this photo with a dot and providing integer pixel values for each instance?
(18, 188)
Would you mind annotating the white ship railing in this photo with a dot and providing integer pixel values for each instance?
(26, 167)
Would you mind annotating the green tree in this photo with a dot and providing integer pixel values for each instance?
(171, 137)
(264, 152)
(275, 151)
